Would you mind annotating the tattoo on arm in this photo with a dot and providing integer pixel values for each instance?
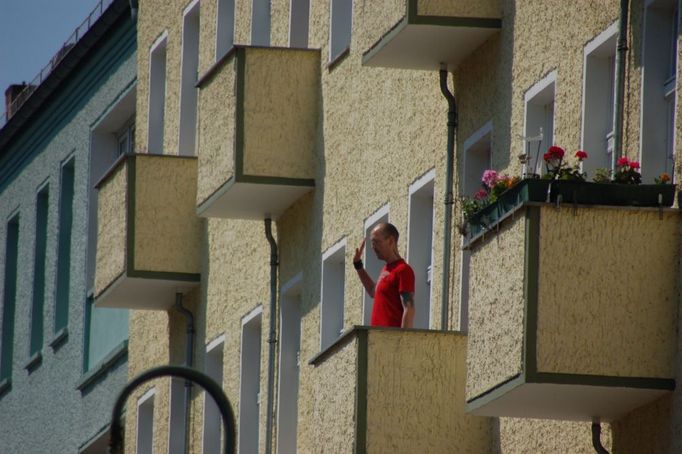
(407, 299)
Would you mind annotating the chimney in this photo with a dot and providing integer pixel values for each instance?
(11, 94)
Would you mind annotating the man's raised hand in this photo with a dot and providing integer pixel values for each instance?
(358, 252)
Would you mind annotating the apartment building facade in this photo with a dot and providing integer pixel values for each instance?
(63, 360)
(273, 135)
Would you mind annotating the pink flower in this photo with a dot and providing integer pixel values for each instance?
(634, 165)
(623, 161)
(481, 194)
(489, 178)
(581, 154)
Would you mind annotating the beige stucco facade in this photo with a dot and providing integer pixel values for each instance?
(365, 135)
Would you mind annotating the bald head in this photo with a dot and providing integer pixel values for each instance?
(387, 230)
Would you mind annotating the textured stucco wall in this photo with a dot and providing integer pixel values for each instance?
(546, 436)
(496, 309)
(216, 117)
(416, 380)
(330, 404)
(281, 99)
(112, 228)
(607, 297)
(459, 8)
(377, 18)
(165, 205)
(44, 412)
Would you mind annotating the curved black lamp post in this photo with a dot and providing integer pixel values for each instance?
(210, 386)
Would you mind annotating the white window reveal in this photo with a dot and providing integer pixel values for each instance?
(249, 393)
(157, 94)
(289, 365)
(299, 20)
(476, 159)
(224, 28)
(659, 80)
(213, 367)
(372, 264)
(260, 23)
(188, 79)
(539, 121)
(145, 422)
(420, 245)
(341, 26)
(333, 290)
(598, 100)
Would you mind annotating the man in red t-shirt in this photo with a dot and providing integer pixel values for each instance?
(393, 292)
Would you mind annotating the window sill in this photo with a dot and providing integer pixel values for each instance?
(59, 339)
(5, 386)
(103, 367)
(336, 61)
(34, 362)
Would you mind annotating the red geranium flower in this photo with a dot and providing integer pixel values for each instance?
(623, 161)
(581, 154)
(634, 165)
(555, 152)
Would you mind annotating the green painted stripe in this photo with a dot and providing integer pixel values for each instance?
(530, 288)
(239, 115)
(361, 394)
(495, 392)
(164, 275)
(276, 181)
(602, 380)
(451, 21)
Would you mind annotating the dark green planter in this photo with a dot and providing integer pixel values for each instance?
(574, 192)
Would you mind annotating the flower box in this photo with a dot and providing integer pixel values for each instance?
(568, 191)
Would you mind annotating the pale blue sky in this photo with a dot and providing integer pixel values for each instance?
(31, 32)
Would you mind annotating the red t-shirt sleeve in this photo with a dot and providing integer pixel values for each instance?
(406, 279)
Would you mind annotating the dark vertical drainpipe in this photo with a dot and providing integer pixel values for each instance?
(449, 197)
(596, 438)
(621, 58)
(189, 360)
(272, 340)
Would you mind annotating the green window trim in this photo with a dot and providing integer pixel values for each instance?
(66, 199)
(38, 304)
(9, 298)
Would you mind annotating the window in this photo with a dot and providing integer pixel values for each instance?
(188, 90)
(126, 139)
(372, 264)
(37, 307)
(260, 23)
(249, 394)
(61, 312)
(212, 417)
(224, 27)
(341, 28)
(145, 423)
(299, 23)
(157, 94)
(289, 366)
(176, 429)
(420, 245)
(598, 99)
(9, 298)
(333, 290)
(476, 159)
(105, 328)
(659, 71)
(539, 120)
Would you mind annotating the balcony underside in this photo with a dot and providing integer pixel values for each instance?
(424, 46)
(242, 200)
(155, 292)
(569, 401)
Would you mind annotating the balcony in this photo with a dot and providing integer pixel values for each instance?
(573, 312)
(412, 378)
(257, 128)
(148, 234)
(429, 32)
